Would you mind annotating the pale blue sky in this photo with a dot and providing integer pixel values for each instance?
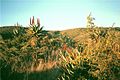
(60, 14)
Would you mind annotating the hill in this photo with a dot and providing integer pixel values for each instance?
(81, 35)
(81, 53)
(78, 34)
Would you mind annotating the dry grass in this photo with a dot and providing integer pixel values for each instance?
(42, 66)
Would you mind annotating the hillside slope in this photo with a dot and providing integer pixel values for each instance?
(43, 53)
(82, 35)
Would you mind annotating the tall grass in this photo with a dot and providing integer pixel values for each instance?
(100, 59)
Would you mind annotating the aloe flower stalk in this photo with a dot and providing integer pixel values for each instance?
(33, 20)
(30, 21)
(38, 21)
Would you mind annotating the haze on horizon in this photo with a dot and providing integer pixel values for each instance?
(60, 14)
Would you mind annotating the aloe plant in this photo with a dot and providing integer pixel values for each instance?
(36, 28)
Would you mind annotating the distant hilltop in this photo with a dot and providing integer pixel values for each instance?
(10, 28)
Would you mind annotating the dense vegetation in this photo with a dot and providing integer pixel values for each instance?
(33, 53)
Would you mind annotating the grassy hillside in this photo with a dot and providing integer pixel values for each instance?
(78, 34)
(82, 33)
(76, 54)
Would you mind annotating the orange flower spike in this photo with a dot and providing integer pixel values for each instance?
(32, 42)
(33, 20)
(64, 47)
(38, 21)
(69, 50)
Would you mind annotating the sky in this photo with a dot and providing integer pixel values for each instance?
(60, 14)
